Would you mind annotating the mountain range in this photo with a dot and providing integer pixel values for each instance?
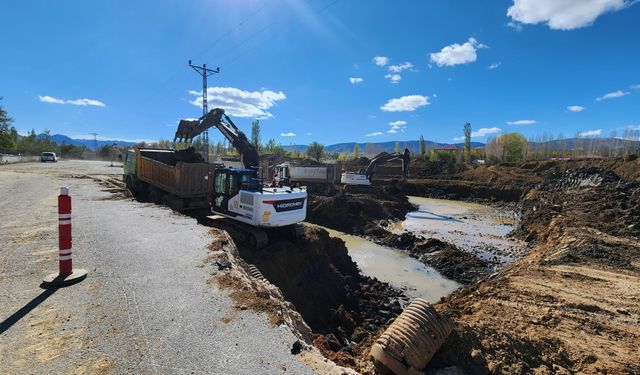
(377, 147)
(370, 148)
(89, 143)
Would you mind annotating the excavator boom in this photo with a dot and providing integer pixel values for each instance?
(189, 129)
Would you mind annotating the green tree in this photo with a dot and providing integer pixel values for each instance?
(467, 140)
(356, 151)
(8, 135)
(423, 148)
(255, 134)
(507, 147)
(315, 151)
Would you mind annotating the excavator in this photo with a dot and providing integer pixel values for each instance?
(239, 201)
(364, 177)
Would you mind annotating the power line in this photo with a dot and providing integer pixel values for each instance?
(214, 43)
(277, 34)
(228, 32)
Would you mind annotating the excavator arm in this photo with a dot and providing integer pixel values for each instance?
(189, 129)
(381, 158)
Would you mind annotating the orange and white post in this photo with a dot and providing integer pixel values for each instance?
(66, 274)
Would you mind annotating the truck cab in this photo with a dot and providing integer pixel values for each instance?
(283, 175)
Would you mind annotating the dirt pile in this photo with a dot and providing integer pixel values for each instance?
(354, 213)
(316, 274)
(502, 182)
(571, 305)
(591, 197)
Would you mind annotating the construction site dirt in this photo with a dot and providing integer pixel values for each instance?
(567, 302)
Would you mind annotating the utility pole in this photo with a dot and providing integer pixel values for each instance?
(95, 141)
(204, 73)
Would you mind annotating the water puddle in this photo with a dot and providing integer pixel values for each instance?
(472, 227)
(396, 268)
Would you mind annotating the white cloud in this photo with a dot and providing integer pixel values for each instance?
(612, 95)
(483, 132)
(406, 103)
(309, 134)
(288, 134)
(563, 14)
(635, 87)
(381, 60)
(394, 78)
(515, 25)
(50, 99)
(591, 133)
(456, 54)
(521, 122)
(401, 67)
(494, 65)
(397, 126)
(80, 102)
(576, 108)
(240, 103)
(355, 80)
(374, 134)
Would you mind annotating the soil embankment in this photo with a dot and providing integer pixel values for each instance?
(343, 308)
(571, 305)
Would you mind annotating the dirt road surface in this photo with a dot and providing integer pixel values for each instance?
(146, 306)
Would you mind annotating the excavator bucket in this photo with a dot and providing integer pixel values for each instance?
(189, 129)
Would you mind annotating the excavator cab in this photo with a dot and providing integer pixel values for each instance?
(227, 183)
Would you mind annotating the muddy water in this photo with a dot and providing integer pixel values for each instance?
(396, 268)
(472, 227)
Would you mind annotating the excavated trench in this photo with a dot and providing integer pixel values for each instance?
(343, 308)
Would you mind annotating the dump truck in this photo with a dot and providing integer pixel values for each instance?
(315, 178)
(177, 179)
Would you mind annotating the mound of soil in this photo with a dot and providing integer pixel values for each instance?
(352, 213)
(507, 182)
(570, 305)
(316, 274)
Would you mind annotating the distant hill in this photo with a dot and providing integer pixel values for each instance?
(89, 143)
(377, 147)
(585, 143)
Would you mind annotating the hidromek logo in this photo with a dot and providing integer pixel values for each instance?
(288, 205)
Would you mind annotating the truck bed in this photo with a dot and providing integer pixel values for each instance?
(184, 180)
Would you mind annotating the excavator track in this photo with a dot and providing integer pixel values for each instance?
(243, 234)
(253, 237)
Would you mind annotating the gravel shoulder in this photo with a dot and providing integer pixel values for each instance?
(146, 306)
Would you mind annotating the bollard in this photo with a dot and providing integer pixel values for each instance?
(66, 274)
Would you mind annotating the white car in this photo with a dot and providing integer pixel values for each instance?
(48, 156)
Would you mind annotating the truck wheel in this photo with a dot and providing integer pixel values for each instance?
(128, 184)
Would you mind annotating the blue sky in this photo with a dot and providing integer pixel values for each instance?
(324, 70)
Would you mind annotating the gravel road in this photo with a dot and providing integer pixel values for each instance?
(146, 306)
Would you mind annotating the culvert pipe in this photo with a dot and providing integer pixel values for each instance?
(407, 346)
(255, 273)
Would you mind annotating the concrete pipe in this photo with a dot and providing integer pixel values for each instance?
(407, 346)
